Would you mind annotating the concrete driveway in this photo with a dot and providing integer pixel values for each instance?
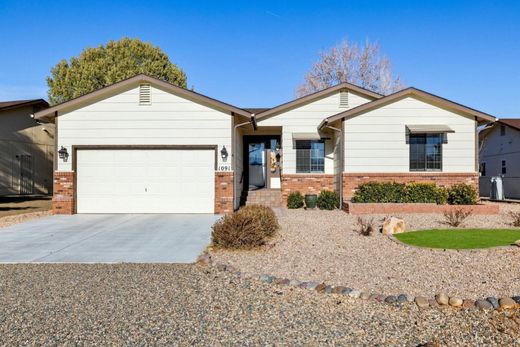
(105, 238)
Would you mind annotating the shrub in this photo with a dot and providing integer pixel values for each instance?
(462, 194)
(380, 192)
(295, 200)
(515, 216)
(247, 228)
(365, 226)
(426, 193)
(456, 217)
(328, 200)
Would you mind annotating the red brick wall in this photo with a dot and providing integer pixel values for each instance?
(443, 179)
(305, 184)
(63, 198)
(223, 192)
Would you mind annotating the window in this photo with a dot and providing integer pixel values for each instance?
(482, 169)
(310, 156)
(426, 152)
(502, 130)
(504, 169)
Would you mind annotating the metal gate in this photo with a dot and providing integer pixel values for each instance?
(26, 175)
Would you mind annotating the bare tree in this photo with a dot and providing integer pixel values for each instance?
(347, 62)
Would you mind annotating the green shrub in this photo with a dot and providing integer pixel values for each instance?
(380, 192)
(462, 194)
(246, 228)
(425, 193)
(328, 200)
(295, 200)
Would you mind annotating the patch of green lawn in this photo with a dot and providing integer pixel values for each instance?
(460, 238)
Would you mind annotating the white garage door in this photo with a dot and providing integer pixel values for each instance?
(145, 181)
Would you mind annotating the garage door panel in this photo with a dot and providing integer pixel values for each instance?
(145, 181)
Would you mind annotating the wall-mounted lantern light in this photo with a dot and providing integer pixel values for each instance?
(63, 154)
(224, 153)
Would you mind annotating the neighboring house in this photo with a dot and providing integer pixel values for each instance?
(145, 146)
(26, 149)
(500, 156)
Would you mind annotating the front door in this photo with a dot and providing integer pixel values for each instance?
(263, 162)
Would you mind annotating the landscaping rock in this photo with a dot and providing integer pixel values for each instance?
(422, 302)
(354, 293)
(221, 267)
(410, 298)
(266, 279)
(294, 283)
(468, 303)
(507, 303)
(493, 301)
(311, 285)
(393, 225)
(338, 290)
(320, 288)
(328, 289)
(517, 243)
(346, 291)
(483, 305)
(516, 299)
(390, 299)
(372, 297)
(364, 296)
(442, 299)
(456, 302)
(402, 298)
(434, 303)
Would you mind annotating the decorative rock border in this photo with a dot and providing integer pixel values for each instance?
(390, 208)
(440, 300)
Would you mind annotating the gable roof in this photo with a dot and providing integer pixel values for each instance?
(420, 94)
(318, 95)
(6, 105)
(511, 122)
(49, 113)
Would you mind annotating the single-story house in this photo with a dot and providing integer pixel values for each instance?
(26, 149)
(500, 157)
(146, 146)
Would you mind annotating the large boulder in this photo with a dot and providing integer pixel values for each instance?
(393, 225)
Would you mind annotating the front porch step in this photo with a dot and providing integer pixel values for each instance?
(266, 197)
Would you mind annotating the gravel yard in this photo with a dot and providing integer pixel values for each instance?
(322, 246)
(131, 304)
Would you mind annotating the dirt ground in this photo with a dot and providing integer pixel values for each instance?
(23, 204)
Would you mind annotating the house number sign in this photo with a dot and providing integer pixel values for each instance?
(224, 168)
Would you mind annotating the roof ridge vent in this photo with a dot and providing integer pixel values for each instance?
(145, 94)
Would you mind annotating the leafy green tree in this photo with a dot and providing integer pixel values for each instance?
(99, 67)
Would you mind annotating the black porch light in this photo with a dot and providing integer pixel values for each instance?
(224, 153)
(63, 154)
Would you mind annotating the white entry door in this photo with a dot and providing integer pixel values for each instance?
(145, 181)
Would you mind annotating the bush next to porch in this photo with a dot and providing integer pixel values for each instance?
(249, 227)
(391, 192)
(295, 200)
(328, 200)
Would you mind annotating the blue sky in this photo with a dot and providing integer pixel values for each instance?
(255, 53)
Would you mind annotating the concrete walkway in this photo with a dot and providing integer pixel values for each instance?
(105, 238)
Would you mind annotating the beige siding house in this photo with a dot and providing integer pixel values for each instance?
(26, 149)
(500, 157)
(146, 146)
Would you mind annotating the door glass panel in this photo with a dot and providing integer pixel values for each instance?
(256, 165)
